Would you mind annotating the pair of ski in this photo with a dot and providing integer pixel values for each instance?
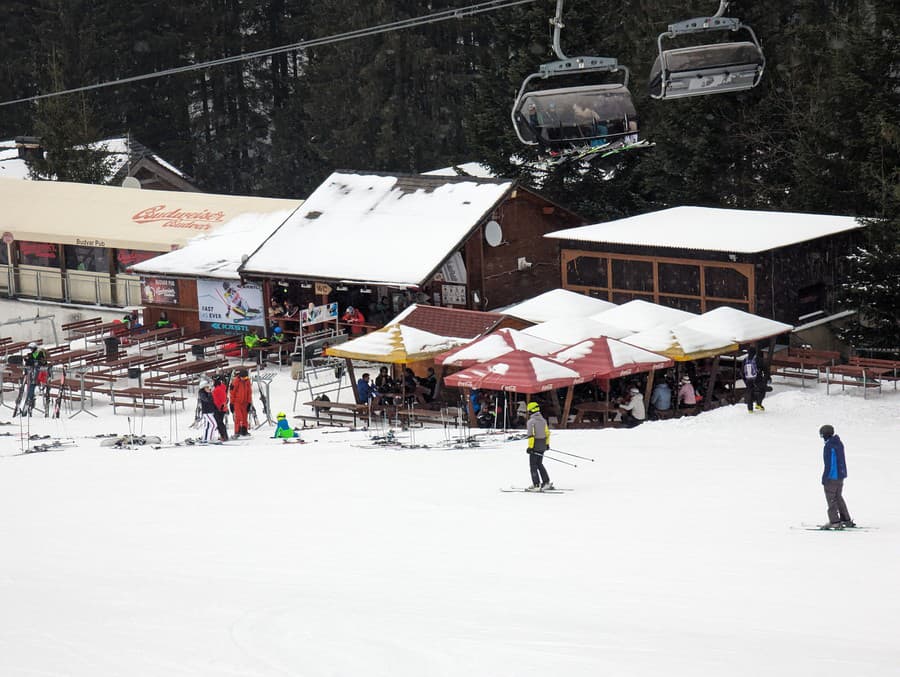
(825, 527)
(524, 490)
(590, 154)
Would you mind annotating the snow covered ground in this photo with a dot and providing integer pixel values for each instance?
(679, 552)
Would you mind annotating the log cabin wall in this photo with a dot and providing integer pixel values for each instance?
(525, 218)
(186, 314)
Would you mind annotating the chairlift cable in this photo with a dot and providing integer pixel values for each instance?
(444, 15)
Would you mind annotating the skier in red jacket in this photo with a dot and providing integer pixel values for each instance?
(241, 397)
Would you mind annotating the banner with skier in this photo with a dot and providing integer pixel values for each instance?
(229, 302)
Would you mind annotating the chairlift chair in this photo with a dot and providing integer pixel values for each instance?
(709, 68)
(578, 115)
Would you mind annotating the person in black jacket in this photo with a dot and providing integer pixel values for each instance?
(833, 476)
(207, 411)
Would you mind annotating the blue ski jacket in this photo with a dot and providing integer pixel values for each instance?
(833, 457)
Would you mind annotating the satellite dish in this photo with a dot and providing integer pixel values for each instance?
(493, 233)
(131, 182)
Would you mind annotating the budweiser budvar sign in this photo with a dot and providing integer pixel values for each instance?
(179, 218)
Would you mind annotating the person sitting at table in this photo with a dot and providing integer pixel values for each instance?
(687, 396)
(632, 411)
(164, 322)
(429, 383)
(355, 318)
(414, 391)
(385, 386)
(365, 390)
(660, 398)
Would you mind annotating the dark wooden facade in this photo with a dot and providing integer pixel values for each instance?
(185, 314)
(495, 273)
(786, 284)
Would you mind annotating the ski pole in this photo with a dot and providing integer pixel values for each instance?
(558, 460)
(584, 458)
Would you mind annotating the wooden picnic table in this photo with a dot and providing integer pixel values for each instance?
(154, 335)
(147, 397)
(798, 366)
(192, 367)
(213, 342)
(603, 409)
(864, 377)
(70, 356)
(95, 329)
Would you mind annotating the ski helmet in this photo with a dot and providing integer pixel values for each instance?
(281, 415)
(826, 431)
(277, 330)
(533, 407)
(204, 383)
(32, 345)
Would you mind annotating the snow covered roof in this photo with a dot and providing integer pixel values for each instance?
(569, 330)
(639, 315)
(475, 169)
(494, 345)
(737, 325)
(682, 343)
(712, 229)
(556, 303)
(397, 344)
(516, 371)
(377, 229)
(120, 151)
(218, 254)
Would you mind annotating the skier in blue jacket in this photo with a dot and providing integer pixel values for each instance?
(833, 476)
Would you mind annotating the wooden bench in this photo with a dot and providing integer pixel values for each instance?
(891, 367)
(342, 410)
(422, 416)
(73, 328)
(867, 378)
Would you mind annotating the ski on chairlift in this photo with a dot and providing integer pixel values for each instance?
(589, 113)
(705, 69)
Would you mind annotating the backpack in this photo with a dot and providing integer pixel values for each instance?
(323, 398)
(750, 370)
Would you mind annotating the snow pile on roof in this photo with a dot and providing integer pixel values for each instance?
(475, 169)
(681, 343)
(712, 229)
(219, 253)
(609, 358)
(517, 371)
(396, 343)
(119, 152)
(495, 345)
(377, 229)
(639, 315)
(557, 303)
(569, 330)
(739, 326)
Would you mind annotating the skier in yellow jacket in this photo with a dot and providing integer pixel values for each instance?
(538, 442)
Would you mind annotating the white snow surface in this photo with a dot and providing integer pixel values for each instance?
(712, 229)
(361, 227)
(664, 338)
(569, 330)
(555, 304)
(218, 254)
(499, 343)
(679, 552)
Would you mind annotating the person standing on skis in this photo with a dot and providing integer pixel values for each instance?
(833, 476)
(207, 411)
(38, 371)
(538, 432)
(241, 397)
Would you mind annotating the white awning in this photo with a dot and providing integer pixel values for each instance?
(125, 218)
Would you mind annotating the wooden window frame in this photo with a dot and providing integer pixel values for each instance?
(746, 270)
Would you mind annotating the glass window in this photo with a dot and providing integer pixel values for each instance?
(632, 275)
(726, 283)
(587, 271)
(125, 258)
(624, 297)
(91, 259)
(690, 305)
(39, 254)
(675, 278)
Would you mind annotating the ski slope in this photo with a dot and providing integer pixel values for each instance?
(679, 552)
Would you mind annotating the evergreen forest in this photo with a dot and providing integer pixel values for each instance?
(821, 133)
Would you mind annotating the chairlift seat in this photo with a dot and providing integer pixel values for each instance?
(567, 116)
(706, 69)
